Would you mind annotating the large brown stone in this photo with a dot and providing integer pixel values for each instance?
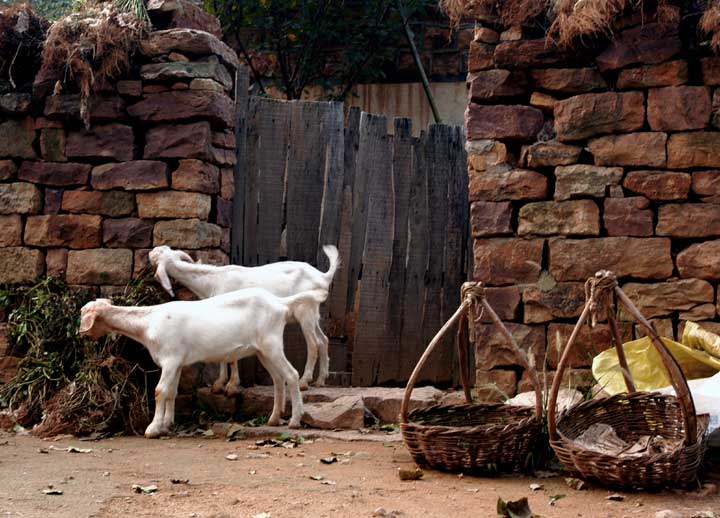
(635, 149)
(485, 154)
(542, 101)
(11, 234)
(185, 106)
(529, 53)
(491, 349)
(7, 169)
(706, 184)
(64, 230)
(99, 266)
(101, 109)
(715, 115)
(588, 344)
(491, 218)
(550, 153)
(696, 149)
(700, 260)
(673, 73)
(16, 139)
(52, 145)
(54, 173)
(568, 80)
(710, 68)
(504, 301)
(15, 103)
(195, 175)
(495, 385)
(678, 108)
(56, 262)
(688, 220)
(547, 218)
(136, 175)
(227, 183)
(578, 259)
(647, 44)
(189, 42)
(502, 261)
(184, 233)
(347, 412)
(20, 198)
(109, 141)
(180, 141)
(628, 217)
(587, 115)
(107, 203)
(480, 56)
(491, 85)
(223, 212)
(173, 71)
(170, 14)
(502, 122)
(585, 180)
(19, 264)
(173, 204)
(659, 185)
(127, 233)
(664, 298)
(558, 300)
(514, 184)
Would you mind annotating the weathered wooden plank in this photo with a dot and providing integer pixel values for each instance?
(411, 338)
(402, 172)
(359, 205)
(272, 126)
(305, 178)
(332, 198)
(374, 158)
(456, 237)
(241, 112)
(440, 369)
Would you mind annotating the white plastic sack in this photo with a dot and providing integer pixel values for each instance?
(706, 395)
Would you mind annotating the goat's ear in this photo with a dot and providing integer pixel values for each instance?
(87, 320)
(162, 277)
(185, 257)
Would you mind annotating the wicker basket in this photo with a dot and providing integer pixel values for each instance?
(471, 438)
(632, 415)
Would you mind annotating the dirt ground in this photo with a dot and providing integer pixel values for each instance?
(276, 481)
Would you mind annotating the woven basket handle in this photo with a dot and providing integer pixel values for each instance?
(473, 293)
(606, 284)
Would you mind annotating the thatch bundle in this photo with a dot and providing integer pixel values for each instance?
(87, 49)
(568, 22)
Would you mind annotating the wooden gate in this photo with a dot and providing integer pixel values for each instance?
(396, 207)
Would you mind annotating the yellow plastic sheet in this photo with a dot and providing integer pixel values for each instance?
(698, 338)
(647, 368)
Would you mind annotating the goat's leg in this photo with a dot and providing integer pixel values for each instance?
(232, 388)
(323, 346)
(169, 417)
(221, 380)
(162, 391)
(278, 390)
(277, 357)
(308, 329)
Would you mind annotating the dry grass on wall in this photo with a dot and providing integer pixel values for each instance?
(710, 25)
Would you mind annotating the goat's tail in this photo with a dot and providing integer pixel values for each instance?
(333, 255)
(306, 298)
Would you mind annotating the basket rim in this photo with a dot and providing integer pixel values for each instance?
(530, 420)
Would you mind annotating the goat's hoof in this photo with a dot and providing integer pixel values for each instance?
(274, 421)
(319, 384)
(304, 385)
(294, 425)
(217, 388)
(153, 432)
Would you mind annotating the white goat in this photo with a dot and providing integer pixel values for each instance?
(282, 279)
(219, 329)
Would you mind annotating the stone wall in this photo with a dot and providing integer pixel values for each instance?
(584, 160)
(154, 168)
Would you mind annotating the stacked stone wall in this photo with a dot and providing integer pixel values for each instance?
(584, 160)
(154, 168)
